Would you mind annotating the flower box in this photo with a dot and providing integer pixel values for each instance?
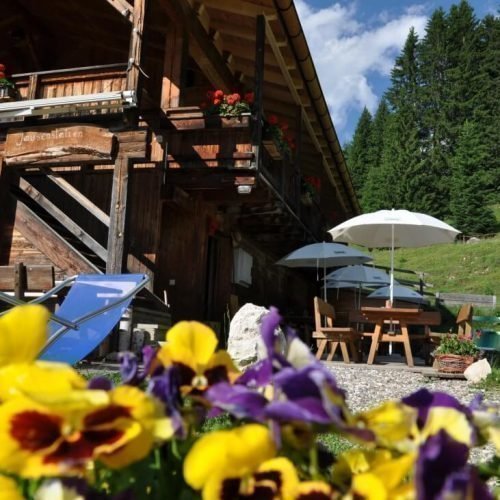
(194, 119)
(272, 148)
(216, 121)
(7, 94)
(453, 363)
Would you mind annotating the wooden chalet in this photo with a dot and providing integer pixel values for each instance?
(108, 163)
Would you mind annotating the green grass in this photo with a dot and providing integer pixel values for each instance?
(457, 267)
(491, 384)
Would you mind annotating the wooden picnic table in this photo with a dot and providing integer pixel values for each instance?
(402, 317)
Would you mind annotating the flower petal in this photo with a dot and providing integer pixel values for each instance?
(23, 333)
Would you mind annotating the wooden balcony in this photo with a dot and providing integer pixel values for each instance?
(72, 92)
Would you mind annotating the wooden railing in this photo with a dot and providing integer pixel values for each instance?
(71, 82)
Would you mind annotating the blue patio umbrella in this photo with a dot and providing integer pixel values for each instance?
(357, 276)
(400, 293)
(323, 255)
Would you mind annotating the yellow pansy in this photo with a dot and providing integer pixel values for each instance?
(59, 434)
(393, 424)
(38, 378)
(317, 490)
(23, 333)
(275, 478)
(454, 422)
(229, 453)
(9, 489)
(191, 347)
(375, 474)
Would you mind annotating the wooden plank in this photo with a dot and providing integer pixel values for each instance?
(116, 238)
(63, 219)
(135, 49)
(56, 248)
(260, 40)
(466, 298)
(124, 8)
(201, 47)
(6, 278)
(39, 278)
(80, 198)
(173, 66)
(55, 143)
(242, 8)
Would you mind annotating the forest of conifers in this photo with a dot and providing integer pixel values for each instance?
(433, 144)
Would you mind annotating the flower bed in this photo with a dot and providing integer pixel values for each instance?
(147, 436)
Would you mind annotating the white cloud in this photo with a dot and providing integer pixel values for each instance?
(346, 51)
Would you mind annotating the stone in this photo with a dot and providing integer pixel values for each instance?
(477, 371)
(244, 343)
(473, 240)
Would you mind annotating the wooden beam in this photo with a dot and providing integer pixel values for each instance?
(135, 49)
(116, 235)
(124, 8)
(175, 56)
(260, 40)
(201, 47)
(63, 219)
(333, 176)
(45, 239)
(242, 8)
(80, 198)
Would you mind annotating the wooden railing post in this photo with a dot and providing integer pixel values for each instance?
(260, 41)
(116, 235)
(19, 280)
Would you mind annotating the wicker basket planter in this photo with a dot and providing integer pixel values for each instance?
(453, 363)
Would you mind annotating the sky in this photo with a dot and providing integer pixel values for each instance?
(354, 44)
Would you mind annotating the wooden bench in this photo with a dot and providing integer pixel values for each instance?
(327, 334)
(20, 278)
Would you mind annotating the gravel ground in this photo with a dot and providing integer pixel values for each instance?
(367, 387)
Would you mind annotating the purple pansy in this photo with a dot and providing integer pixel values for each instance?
(438, 458)
(423, 400)
(237, 400)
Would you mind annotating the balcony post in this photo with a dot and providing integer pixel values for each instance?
(118, 215)
(260, 41)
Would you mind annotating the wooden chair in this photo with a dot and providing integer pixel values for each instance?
(464, 325)
(324, 314)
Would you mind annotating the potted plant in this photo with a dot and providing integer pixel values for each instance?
(309, 190)
(229, 110)
(277, 139)
(455, 353)
(7, 88)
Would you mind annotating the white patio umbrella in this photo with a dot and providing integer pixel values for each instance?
(394, 228)
(323, 255)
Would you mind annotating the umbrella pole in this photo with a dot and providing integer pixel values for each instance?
(391, 288)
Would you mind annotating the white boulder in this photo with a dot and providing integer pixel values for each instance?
(244, 343)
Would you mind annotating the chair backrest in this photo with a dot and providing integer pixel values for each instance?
(464, 320)
(95, 303)
(324, 314)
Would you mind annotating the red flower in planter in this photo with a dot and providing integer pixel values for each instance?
(210, 95)
(217, 102)
(218, 94)
(272, 120)
(249, 97)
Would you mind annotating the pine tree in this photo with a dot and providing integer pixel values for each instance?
(409, 185)
(463, 67)
(374, 195)
(358, 151)
(435, 128)
(487, 105)
(469, 213)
